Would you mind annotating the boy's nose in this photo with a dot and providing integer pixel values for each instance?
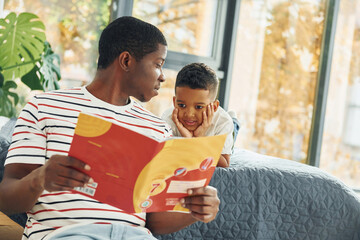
(190, 112)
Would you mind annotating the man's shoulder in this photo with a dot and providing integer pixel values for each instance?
(139, 108)
(69, 92)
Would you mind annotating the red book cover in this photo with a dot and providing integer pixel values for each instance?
(139, 174)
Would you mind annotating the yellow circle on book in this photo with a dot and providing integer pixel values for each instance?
(90, 126)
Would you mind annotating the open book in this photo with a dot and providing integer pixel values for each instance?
(139, 174)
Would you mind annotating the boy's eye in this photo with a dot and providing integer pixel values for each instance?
(199, 107)
(181, 105)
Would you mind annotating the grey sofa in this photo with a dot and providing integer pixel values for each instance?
(264, 197)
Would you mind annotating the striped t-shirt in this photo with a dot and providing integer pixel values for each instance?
(46, 127)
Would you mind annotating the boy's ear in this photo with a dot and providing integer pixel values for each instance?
(216, 104)
(125, 60)
(174, 99)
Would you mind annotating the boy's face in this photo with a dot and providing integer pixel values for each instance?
(191, 104)
(147, 75)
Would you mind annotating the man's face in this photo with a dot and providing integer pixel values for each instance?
(191, 104)
(147, 75)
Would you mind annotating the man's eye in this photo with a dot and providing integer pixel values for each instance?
(181, 105)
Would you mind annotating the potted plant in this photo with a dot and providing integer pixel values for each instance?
(26, 55)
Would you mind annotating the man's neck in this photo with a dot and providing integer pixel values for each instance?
(106, 86)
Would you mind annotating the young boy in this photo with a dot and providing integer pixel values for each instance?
(196, 111)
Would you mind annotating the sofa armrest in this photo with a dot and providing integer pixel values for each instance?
(9, 230)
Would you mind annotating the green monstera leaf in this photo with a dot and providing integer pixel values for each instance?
(33, 79)
(8, 99)
(50, 68)
(21, 43)
(46, 77)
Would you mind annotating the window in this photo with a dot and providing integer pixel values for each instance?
(275, 72)
(340, 153)
(187, 25)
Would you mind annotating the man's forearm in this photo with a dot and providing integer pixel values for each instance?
(168, 222)
(18, 194)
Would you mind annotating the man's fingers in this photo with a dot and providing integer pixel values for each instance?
(203, 203)
(201, 200)
(209, 190)
(203, 217)
(63, 173)
(63, 184)
(74, 174)
(201, 209)
(202, 197)
(76, 163)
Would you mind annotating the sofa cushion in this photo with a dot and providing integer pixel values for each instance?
(264, 197)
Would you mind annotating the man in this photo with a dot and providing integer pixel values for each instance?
(38, 173)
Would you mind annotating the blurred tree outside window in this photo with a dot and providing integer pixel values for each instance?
(73, 29)
(340, 153)
(275, 73)
(188, 25)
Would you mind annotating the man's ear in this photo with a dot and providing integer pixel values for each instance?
(174, 101)
(124, 60)
(216, 104)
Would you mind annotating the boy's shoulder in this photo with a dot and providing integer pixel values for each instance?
(167, 114)
(223, 114)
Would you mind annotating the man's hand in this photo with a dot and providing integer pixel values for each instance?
(24, 183)
(63, 173)
(183, 131)
(207, 120)
(203, 203)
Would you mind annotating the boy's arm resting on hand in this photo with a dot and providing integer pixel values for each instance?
(203, 204)
(24, 183)
(224, 160)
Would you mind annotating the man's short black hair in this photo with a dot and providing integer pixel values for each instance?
(198, 76)
(130, 34)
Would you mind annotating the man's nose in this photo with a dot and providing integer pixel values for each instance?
(162, 76)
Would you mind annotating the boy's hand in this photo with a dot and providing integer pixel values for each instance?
(208, 115)
(183, 131)
(203, 203)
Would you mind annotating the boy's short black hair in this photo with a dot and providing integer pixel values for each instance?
(130, 34)
(198, 76)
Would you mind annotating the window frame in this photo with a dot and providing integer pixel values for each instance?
(322, 84)
(224, 38)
